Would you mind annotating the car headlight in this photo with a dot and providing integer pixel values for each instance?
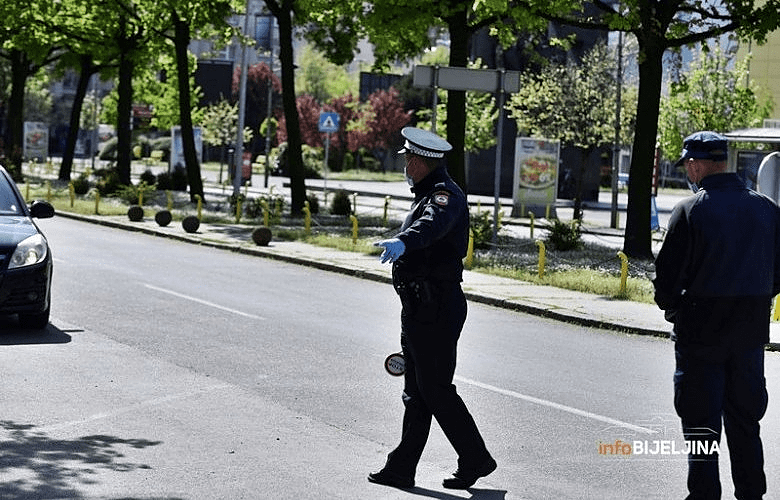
(30, 251)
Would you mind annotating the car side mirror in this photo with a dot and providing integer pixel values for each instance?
(41, 209)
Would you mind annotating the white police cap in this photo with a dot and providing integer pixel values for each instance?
(424, 143)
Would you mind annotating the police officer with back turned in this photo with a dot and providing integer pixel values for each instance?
(716, 274)
(427, 256)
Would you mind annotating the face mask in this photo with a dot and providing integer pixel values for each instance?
(691, 185)
(408, 179)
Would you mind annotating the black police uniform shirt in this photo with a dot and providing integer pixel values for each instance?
(719, 265)
(435, 232)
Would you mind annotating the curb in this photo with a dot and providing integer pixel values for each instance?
(326, 266)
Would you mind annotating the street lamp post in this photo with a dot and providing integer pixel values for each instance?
(617, 149)
(238, 157)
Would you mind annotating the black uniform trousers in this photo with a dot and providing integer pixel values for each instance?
(430, 328)
(727, 390)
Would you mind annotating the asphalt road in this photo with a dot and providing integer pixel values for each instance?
(173, 370)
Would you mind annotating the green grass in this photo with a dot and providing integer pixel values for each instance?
(366, 175)
(347, 175)
(581, 280)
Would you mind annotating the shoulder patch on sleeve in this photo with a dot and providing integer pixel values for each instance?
(441, 198)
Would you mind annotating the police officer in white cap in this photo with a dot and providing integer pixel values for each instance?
(427, 256)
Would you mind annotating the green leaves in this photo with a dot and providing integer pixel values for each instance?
(712, 95)
(574, 103)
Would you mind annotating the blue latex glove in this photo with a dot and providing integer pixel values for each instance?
(394, 248)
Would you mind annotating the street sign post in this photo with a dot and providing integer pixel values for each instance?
(328, 123)
(498, 81)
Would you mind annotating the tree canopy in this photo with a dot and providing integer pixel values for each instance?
(731, 101)
(403, 30)
(575, 104)
(658, 26)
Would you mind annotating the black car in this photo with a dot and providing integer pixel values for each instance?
(25, 258)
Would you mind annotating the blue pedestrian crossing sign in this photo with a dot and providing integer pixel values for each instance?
(329, 122)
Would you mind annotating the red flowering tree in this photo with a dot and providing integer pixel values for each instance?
(258, 77)
(388, 119)
(309, 119)
(372, 126)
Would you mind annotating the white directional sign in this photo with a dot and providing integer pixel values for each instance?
(451, 78)
(329, 122)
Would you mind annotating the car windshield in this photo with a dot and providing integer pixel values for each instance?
(9, 203)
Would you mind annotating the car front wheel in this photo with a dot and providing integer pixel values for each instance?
(37, 321)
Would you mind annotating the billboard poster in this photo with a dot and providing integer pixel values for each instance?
(36, 141)
(535, 186)
(177, 147)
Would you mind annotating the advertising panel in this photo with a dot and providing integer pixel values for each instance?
(177, 147)
(535, 184)
(36, 141)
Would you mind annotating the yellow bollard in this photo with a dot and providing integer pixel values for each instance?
(72, 193)
(169, 195)
(531, 215)
(470, 251)
(623, 272)
(238, 210)
(140, 197)
(97, 202)
(306, 218)
(547, 212)
(48, 191)
(387, 206)
(540, 244)
(200, 205)
(776, 311)
(354, 228)
(264, 204)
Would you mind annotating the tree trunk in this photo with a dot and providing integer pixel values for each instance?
(456, 101)
(182, 41)
(294, 155)
(124, 112)
(87, 70)
(637, 242)
(584, 156)
(20, 70)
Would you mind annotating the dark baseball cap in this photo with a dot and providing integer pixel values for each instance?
(704, 145)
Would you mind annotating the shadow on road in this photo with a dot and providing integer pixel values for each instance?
(35, 465)
(12, 334)
(476, 494)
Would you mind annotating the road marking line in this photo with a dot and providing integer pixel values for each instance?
(557, 406)
(133, 407)
(201, 301)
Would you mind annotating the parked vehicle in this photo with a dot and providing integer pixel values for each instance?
(25, 257)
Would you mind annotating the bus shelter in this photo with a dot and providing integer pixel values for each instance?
(748, 148)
